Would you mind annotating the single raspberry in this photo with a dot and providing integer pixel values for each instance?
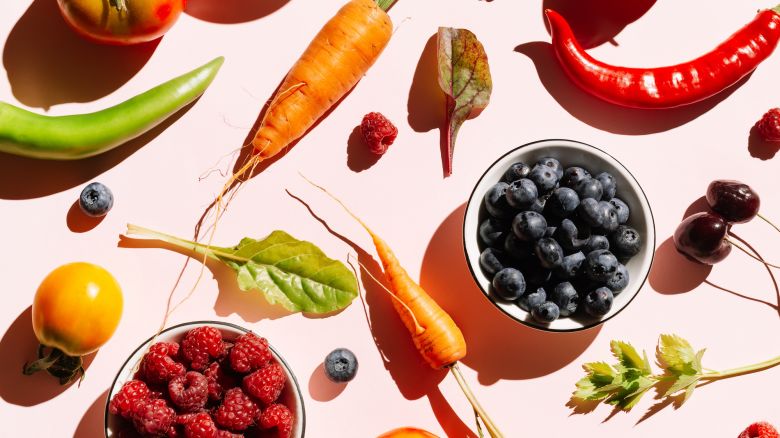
(249, 353)
(266, 384)
(237, 412)
(153, 417)
(280, 417)
(202, 344)
(199, 425)
(759, 430)
(769, 125)
(378, 132)
(220, 379)
(158, 365)
(131, 392)
(189, 392)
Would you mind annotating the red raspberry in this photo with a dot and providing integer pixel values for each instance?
(189, 392)
(220, 379)
(249, 353)
(199, 425)
(124, 400)
(227, 434)
(266, 384)
(237, 412)
(769, 125)
(378, 132)
(759, 430)
(202, 344)
(158, 366)
(153, 417)
(278, 416)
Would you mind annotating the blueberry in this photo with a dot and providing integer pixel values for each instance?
(573, 175)
(563, 202)
(532, 300)
(544, 177)
(515, 172)
(570, 266)
(519, 250)
(521, 193)
(554, 165)
(538, 205)
(566, 298)
(599, 302)
(609, 216)
(550, 232)
(600, 265)
(546, 312)
(549, 252)
(492, 232)
(495, 201)
(96, 200)
(571, 236)
(535, 273)
(590, 212)
(625, 241)
(597, 241)
(619, 280)
(341, 365)
(509, 284)
(529, 226)
(491, 261)
(590, 188)
(608, 184)
(622, 210)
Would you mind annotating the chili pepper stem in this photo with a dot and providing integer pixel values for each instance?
(715, 375)
(743, 249)
(480, 412)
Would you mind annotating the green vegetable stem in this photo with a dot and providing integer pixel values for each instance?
(79, 136)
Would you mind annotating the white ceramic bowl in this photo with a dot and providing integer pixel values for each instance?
(569, 153)
(291, 395)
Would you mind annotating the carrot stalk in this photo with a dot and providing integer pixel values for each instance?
(478, 409)
(385, 4)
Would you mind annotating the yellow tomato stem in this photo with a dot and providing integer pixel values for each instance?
(66, 368)
(44, 362)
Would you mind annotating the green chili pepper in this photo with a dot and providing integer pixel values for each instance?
(83, 135)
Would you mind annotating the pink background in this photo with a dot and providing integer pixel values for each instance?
(523, 377)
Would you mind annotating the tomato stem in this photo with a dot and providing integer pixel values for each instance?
(119, 5)
(66, 368)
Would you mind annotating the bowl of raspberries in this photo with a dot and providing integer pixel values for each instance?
(559, 235)
(205, 379)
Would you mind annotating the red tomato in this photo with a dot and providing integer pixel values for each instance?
(121, 22)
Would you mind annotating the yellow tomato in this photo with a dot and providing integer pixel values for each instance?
(77, 308)
(407, 432)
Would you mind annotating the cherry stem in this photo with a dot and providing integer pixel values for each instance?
(769, 222)
(743, 249)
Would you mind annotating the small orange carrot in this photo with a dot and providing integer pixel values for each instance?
(407, 432)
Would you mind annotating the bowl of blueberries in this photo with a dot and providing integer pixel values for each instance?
(559, 235)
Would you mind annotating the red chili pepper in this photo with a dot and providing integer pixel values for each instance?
(667, 87)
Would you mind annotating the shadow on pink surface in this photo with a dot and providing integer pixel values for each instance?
(232, 11)
(92, 423)
(498, 347)
(604, 115)
(321, 388)
(28, 178)
(78, 222)
(758, 148)
(673, 273)
(17, 347)
(413, 377)
(49, 64)
(359, 157)
(596, 22)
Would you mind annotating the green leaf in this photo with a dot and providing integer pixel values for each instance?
(683, 382)
(629, 357)
(290, 272)
(464, 75)
(677, 356)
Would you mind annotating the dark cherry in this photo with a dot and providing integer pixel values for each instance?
(733, 200)
(702, 237)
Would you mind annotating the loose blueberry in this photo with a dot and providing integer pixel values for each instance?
(597, 241)
(573, 175)
(609, 216)
(546, 313)
(492, 232)
(590, 189)
(495, 201)
(538, 205)
(519, 250)
(608, 184)
(341, 365)
(521, 193)
(599, 302)
(535, 274)
(590, 212)
(509, 284)
(549, 252)
(529, 226)
(600, 265)
(622, 210)
(571, 236)
(96, 200)
(553, 164)
(566, 298)
(570, 266)
(619, 280)
(625, 241)
(544, 177)
(491, 261)
(515, 172)
(550, 232)
(563, 202)
(532, 300)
